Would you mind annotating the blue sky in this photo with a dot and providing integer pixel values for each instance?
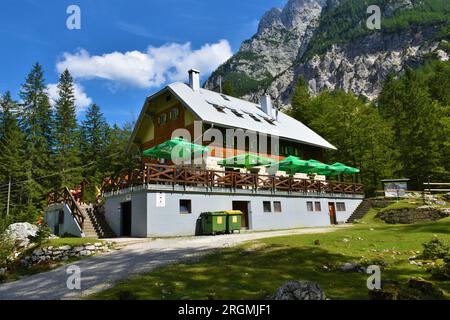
(126, 49)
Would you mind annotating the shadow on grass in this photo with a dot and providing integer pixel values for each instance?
(250, 274)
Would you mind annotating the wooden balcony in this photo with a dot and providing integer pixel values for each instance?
(153, 174)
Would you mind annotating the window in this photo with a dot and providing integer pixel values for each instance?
(174, 113)
(340, 206)
(162, 119)
(237, 113)
(277, 206)
(185, 206)
(266, 206)
(309, 206)
(317, 206)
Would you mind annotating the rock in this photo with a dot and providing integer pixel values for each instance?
(19, 232)
(78, 249)
(90, 248)
(98, 244)
(85, 253)
(38, 252)
(65, 248)
(56, 253)
(426, 288)
(281, 51)
(350, 266)
(296, 290)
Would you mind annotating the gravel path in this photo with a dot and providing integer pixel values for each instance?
(102, 271)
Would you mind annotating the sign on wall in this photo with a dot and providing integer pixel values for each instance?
(160, 200)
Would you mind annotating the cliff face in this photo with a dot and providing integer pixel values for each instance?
(330, 48)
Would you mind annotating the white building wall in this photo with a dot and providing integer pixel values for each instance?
(157, 214)
(113, 212)
(70, 225)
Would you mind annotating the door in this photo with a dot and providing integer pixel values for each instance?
(126, 219)
(244, 207)
(332, 212)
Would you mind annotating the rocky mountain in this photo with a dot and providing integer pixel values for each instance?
(328, 43)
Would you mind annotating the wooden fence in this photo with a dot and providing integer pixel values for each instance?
(189, 176)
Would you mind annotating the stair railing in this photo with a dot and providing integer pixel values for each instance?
(65, 196)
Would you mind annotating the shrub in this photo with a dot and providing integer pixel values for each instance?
(435, 249)
(6, 248)
(41, 235)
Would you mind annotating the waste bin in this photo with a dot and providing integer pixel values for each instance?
(214, 222)
(234, 220)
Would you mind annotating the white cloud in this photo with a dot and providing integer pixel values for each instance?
(82, 101)
(152, 68)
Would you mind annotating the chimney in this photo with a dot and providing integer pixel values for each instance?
(194, 79)
(266, 105)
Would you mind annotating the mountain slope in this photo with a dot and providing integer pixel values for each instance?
(327, 42)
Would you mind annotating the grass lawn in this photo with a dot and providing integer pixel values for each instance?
(59, 242)
(255, 269)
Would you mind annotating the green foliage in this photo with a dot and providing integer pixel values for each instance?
(435, 249)
(240, 84)
(42, 234)
(41, 151)
(66, 135)
(413, 105)
(6, 249)
(356, 129)
(95, 135)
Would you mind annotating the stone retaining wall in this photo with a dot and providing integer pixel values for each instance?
(63, 253)
(413, 215)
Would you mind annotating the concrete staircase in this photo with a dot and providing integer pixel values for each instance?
(360, 211)
(95, 225)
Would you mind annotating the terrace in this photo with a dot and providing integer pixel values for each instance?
(155, 176)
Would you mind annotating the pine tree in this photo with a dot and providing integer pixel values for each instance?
(94, 143)
(67, 160)
(37, 125)
(300, 107)
(12, 160)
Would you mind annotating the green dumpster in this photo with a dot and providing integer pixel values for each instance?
(214, 222)
(234, 219)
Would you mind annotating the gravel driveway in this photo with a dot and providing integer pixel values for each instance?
(102, 271)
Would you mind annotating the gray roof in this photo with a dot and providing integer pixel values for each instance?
(223, 110)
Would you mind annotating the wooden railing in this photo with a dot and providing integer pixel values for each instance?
(65, 196)
(188, 176)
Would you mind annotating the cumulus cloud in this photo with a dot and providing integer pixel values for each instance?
(151, 68)
(82, 101)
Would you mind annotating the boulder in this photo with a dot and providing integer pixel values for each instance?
(350, 266)
(296, 290)
(90, 247)
(65, 248)
(85, 253)
(427, 289)
(19, 233)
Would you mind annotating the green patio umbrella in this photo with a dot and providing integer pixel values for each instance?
(317, 167)
(165, 150)
(343, 169)
(337, 169)
(247, 161)
(290, 165)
